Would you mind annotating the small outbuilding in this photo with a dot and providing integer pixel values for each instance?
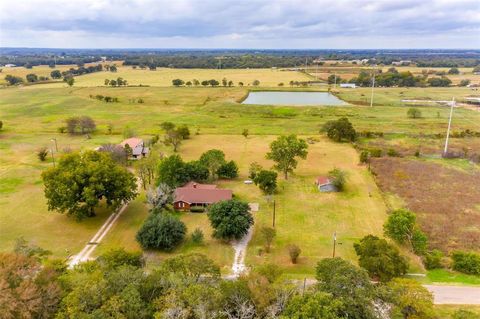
(138, 147)
(325, 185)
(348, 85)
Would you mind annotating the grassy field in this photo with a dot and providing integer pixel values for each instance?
(348, 72)
(215, 110)
(32, 115)
(164, 76)
(448, 311)
(304, 216)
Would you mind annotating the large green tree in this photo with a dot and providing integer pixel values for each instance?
(410, 299)
(80, 181)
(230, 219)
(340, 130)
(314, 305)
(266, 181)
(379, 258)
(284, 151)
(349, 284)
(401, 226)
(213, 160)
(161, 231)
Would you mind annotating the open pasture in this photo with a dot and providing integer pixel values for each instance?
(32, 116)
(304, 216)
(164, 76)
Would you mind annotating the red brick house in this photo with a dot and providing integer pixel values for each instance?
(195, 194)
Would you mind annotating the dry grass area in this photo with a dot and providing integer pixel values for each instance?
(446, 199)
(163, 76)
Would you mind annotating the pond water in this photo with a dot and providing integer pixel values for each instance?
(292, 98)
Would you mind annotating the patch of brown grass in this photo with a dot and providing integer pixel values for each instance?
(446, 200)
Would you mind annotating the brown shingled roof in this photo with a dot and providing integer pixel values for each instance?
(201, 194)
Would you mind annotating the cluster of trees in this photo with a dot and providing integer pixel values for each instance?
(82, 70)
(401, 226)
(212, 83)
(30, 78)
(211, 61)
(394, 78)
(80, 181)
(107, 99)
(117, 284)
(118, 82)
(211, 165)
(174, 135)
(80, 125)
(13, 80)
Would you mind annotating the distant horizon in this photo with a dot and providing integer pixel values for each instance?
(237, 49)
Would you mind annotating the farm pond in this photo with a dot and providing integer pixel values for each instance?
(292, 98)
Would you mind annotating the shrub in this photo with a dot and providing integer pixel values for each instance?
(466, 262)
(161, 231)
(197, 236)
(419, 242)
(376, 152)
(414, 113)
(338, 178)
(230, 219)
(254, 169)
(42, 154)
(62, 129)
(364, 156)
(268, 235)
(392, 152)
(294, 252)
(197, 209)
(184, 132)
(115, 258)
(433, 259)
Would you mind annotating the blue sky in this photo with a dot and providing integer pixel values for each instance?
(240, 24)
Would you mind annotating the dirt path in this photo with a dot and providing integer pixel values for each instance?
(240, 247)
(86, 252)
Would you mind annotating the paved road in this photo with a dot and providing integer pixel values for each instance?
(455, 295)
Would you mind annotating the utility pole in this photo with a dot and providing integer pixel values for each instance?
(273, 221)
(334, 242)
(445, 150)
(53, 157)
(373, 85)
(56, 146)
(335, 82)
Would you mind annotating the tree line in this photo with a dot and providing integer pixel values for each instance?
(393, 78)
(212, 82)
(215, 62)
